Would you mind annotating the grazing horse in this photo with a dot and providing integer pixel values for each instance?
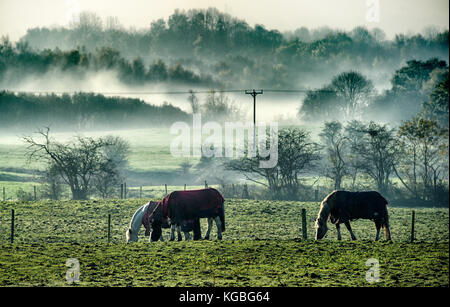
(179, 210)
(183, 208)
(146, 213)
(343, 207)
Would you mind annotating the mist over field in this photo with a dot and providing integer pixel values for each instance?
(207, 49)
(260, 126)
(323, 85)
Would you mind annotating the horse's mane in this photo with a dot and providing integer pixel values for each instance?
(325, 207)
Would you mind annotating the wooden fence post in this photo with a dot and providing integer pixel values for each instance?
(4, 194)
(109, 227)
(413, 216)
(206, 185)
(12, 225)
(121, 191)
(165, 188)
(34, 190)
(316, 195)
(185, 186)
(125, 190)
(304, 229)
(140, 192)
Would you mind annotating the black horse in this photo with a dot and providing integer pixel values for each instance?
(342, 207)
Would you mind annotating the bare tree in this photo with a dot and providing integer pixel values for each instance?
(379, 152)
(111, 171)
(78, 162)
(424, 163)
(335, 144)
(296, 156)
(53, 184)
(193, 101)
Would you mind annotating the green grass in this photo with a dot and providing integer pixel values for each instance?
(261, 247)
(85, 221)
(227, 263)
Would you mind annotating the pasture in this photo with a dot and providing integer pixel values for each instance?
(261, 247)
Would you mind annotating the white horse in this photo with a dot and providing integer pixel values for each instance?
(136, 223)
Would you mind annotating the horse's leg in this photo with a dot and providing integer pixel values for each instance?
(155, 234)
(387, 231)
(172, 232)
(210, 221)
(187, 236)
(378, 227)
(219, 228)
(197, 230)
(338, 229)
(180, 238)
(347, 224)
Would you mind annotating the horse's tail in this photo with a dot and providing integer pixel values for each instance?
(387, 230)
(222, 215)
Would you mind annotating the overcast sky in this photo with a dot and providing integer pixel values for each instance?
(393, 16)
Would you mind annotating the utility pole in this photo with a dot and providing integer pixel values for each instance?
(254, 93)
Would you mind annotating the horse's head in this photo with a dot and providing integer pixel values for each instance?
(131, 236)
(321, 228)
(322, 218)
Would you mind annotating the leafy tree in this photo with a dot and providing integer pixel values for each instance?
(354, 90)
(322, 104)
(436, 107)
(411, 77)
(218, 107)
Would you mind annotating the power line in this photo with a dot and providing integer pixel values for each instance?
(254, 93)
(185, 92)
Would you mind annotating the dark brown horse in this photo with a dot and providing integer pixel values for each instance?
(342, 207)
(154, 221)
(183, 209)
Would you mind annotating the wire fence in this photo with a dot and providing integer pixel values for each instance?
(105, 221)
(38, 192)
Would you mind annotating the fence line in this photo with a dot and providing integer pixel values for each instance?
(122, 191)
(240, 229)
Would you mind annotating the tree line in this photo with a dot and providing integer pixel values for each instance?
(408, 164)
(416, 87)
(82, 111)
(20, 61)
(209, 47)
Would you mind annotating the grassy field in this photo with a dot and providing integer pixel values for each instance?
(261, 247)
(86, 221)
(227, 263)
